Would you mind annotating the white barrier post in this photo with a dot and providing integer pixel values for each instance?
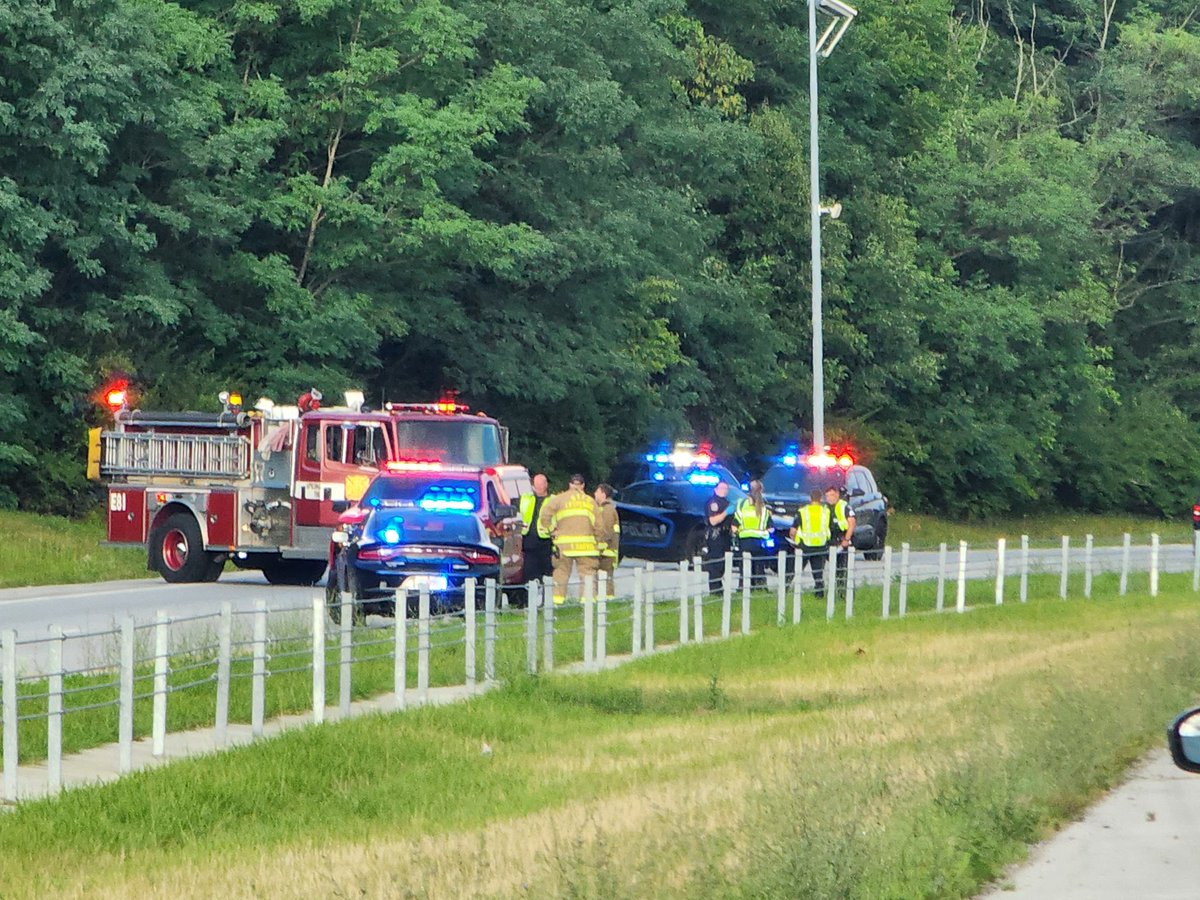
(850, 582)
(1088, 545)
(531, 629)
(54, 711)
(747, 584)
(1195, 561)
(1001, 546)
(258, 681)
(1024, 568)
(1126, 547)
(602, 621)
(887, 581)
(648, 601)
(941, 578)
(489, 631)
(224, 669)
(684, 612)
(400, 650)
(423, 644)
(589, 624)
(8, 674)
(796, 589)
(1066, 567)
(125, 701)
(636, 621)
(345, 651)
(162, 649)
(318, 660)
(545, 593)
(960, 595)
(469, 614)
(1154, 565)
(781, 587)
(903, 602)
(830, 582)
(727, 596)
(698, 598)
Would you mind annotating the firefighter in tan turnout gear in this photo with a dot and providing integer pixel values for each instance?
(570, 520)
(608, 533)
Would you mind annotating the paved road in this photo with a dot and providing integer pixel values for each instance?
(1141, 841)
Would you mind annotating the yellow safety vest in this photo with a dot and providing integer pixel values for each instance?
(839, 515)
(812, 525)
(528, 504)
(749, 525)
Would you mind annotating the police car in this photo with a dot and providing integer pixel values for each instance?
(788, 483)
(662, 515)
(423, 525)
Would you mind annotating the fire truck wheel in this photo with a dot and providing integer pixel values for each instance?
(216, 565)
(304, 572)
(177, 550)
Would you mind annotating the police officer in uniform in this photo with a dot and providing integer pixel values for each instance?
(811, 534)
(537, 547)
(718, 535)
(608, 533)
(753, 518)
(570, 520)
(841, 531)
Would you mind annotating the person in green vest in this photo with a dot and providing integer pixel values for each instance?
(842, 522)
(811, 533)
(753, 519)
(537, 548)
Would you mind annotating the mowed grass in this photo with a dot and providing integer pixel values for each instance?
(901, 758)
(925, 531)
(37, 550)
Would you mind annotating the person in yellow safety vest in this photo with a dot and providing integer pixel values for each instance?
(536, 548)
(811, 534)
(841, 531)
(753, 519)
(569, 519)
(608, 533)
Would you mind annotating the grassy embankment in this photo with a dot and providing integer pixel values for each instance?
(906, 758)
(36, 550)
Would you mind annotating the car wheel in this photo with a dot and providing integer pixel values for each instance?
(876, 553)
(304, 572)
(694, 545)
(177, 550)
(342, 577)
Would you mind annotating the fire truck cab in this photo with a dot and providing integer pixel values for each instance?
(264, 487)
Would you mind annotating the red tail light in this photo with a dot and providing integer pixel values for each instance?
(1196, 513)
(467, 554)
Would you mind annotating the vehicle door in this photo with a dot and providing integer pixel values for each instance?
(504, 527)
(339, 458)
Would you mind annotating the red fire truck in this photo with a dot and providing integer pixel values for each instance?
(264, 487)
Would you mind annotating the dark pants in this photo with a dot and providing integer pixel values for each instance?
(757, 548)
(539, 560)
(843, 566)
(814, 557)
(714, 562)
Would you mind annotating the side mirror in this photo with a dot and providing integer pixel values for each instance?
(667, 502)
(504, 511)
(1183, 737)
(340, 538)
(858, 492)
(340, 506)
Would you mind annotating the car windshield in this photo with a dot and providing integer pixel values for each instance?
(451, 441)
(781, 480)
(413, 526)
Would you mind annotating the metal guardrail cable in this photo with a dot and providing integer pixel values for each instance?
(289, 670)
(87, 688)
(175, 688)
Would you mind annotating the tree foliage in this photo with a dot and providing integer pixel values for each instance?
(590, 217)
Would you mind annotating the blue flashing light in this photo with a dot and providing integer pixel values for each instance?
(704, 478)
(769, 542)
(790, 459)
(446, 498)
(662, 458)
(745, 485)
(374, 501)
(659, 476)
(393, 533)
(649, 457)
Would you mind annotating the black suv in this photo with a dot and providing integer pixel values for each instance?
(787, 484)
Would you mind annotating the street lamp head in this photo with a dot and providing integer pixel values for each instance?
(837, 8)
(842, 15)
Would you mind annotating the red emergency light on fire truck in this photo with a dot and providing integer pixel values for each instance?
(263, 486)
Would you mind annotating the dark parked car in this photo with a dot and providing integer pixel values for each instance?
(411, 548)
(787, 485)
(663, 521)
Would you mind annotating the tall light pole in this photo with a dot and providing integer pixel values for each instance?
(820, 48)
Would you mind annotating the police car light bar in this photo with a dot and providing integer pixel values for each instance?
(442, 407)
(704, 478)
(414, 465)
(441, 498)
(682, 456)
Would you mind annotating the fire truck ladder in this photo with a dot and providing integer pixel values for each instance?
(179, 455)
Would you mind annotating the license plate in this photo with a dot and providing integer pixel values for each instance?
(430, 582)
